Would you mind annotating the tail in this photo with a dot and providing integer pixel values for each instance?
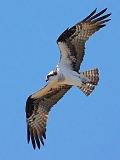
(93, 77)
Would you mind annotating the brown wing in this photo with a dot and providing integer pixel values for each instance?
(72, 41)
(38, 106)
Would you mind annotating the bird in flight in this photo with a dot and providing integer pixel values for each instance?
(66, 75)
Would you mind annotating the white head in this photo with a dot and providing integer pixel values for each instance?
(51, 76)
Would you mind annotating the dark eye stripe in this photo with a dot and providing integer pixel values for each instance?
(54, 73)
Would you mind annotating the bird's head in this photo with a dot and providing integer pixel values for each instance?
(51, 75)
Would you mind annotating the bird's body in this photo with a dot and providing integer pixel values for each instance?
(66, 74)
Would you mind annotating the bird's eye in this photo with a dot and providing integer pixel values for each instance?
(55, 73)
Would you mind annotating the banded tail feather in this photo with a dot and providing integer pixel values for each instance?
(93, 76)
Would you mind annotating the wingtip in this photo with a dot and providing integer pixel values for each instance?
(28, 134)
(95, 9)
(102, 25)
(107, 20)
(34, 145)
(110, 14)
(105, 9)
(38, 145)
(28, 140)
(37, 140)
(44, 135)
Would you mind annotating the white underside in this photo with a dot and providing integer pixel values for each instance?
(65, 68)
(65, 76)
(69, 77)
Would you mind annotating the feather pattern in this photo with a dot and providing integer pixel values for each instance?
(37, 109)
(72, 41)
(72, 47)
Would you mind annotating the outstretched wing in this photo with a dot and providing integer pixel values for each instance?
(72, 41)
(38, 106)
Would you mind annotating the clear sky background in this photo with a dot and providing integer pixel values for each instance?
(79, 127)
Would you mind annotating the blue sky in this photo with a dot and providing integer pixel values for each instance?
(79, 127)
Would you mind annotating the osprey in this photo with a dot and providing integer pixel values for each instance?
(66, 74)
